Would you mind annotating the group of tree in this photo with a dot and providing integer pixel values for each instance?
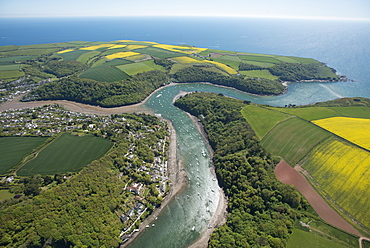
(84, 210)
(130, 91)
(261, 210)
(62, 68)
(251, 85)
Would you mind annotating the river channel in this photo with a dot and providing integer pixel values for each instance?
(188, 214)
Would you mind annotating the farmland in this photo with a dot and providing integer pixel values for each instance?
(341, 171)
(215, 66)
(262, 119)
(337, 168)
(301, 238)
(293, 139)
(13, 149)
(355, 130)
(81, 151)
(104, 74)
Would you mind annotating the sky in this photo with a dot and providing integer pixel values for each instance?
(303, 9)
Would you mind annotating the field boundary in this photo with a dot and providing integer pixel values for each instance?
(25, 159)
(288, 175)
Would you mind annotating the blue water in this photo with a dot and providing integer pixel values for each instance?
(343, 45)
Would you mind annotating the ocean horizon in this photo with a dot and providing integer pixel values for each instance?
(342, 45)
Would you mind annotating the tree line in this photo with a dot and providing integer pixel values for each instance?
(261, 210)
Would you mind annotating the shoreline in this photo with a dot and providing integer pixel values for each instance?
(177, 177)
(219, 216)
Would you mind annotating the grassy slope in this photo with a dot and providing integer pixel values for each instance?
(300, 238)
(65, 154)
(293, 139)
(262, 119)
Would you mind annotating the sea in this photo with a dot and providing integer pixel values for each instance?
(342, 45)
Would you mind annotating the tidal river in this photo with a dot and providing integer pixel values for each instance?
(189, 213)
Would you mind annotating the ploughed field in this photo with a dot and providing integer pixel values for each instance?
(330, 143)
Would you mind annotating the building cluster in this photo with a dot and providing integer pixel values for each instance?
(48, 121)
(9, 90)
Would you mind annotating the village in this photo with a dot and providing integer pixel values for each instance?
(144, 163)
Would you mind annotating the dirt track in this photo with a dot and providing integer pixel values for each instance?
(286, 174)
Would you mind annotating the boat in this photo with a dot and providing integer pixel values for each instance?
(159, 95)
(204, 153)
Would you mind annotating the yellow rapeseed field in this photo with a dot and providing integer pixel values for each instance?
(117, 46)
(355, 130)
(121, 55)
(343, 171)
(65, 51)
(188, 60)
(132, 47)
(180, 49)
(224, 67)
(97, 46)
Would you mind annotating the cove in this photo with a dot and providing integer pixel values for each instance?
(188, 214)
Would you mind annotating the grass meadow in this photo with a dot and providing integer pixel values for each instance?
(309, 113)
(13, 149)
(104, 74)
(11, 75)
(293, 139)
(135, 68)
(300, 238)
(259, 74)
(159, 52)
(261, 119)
(68, 153)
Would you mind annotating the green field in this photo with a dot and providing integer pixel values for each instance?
(300, 238)
(135, 68)
(261, 119)
(11, 74)
(12, 67)
(355, 112)
(316, 113)
(105, 74)
(29, 52)
(259, 74)
(84, 58)
(293, 139)
(158, 52)
(73, 55)
(68, 153)
(5, 194)
(11, 59)
(13, 149)
(309, 113)
(113, 62)
(265, 59)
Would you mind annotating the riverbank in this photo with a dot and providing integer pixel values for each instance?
(219, 216)
(177, 177)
